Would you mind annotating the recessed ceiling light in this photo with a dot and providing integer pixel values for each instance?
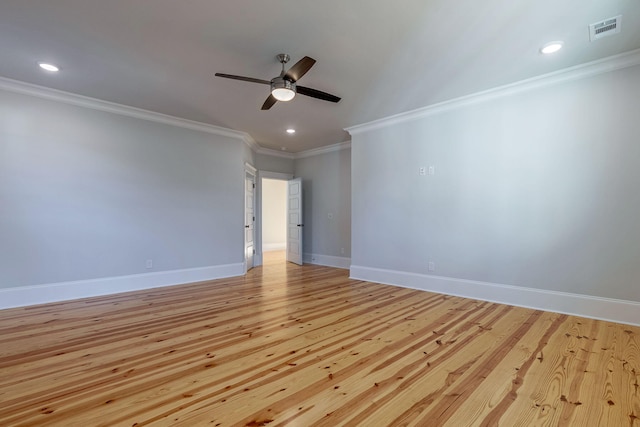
(49, 67)
(291, 131)
(283, 148)
(551, 47)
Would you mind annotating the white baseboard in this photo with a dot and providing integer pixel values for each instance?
(266, 247)
(328, 260)
(63, 291)
(609, 309)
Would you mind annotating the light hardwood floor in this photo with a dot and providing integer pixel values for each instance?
(306, 346)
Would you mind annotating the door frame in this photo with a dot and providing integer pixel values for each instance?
(257, 258)
(249, 171)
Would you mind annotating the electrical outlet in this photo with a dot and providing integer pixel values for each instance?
(342, 251)
(422, 171)
(432, 170)
(432, 266)
(330, 215)
(149, 263)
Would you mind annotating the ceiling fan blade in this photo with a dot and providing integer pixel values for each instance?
(269, 102)
(244, 79)
(300, 68)
(314, 93)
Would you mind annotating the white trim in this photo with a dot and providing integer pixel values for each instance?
(307, 153)
(589, 69)
(266, 247)
(251, 143)
(23, 88)
(257, 260)
(56, 95)
(276, 153)
(275, 175)
(250, 168)
(324, 150)
(63, 291)
(609, 309)
(327, 260)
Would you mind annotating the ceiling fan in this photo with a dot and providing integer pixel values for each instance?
(284, 87)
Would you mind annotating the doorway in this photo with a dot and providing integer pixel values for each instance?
(274, 215)
(270, 237)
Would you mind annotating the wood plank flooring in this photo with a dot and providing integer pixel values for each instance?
(306, 346)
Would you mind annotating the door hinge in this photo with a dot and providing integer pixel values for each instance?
(254, 185)
(254, 219)
(254, 251)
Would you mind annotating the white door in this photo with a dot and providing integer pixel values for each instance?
(294, 221)
(249, 220)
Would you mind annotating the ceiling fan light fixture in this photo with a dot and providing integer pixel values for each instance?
(283, 89)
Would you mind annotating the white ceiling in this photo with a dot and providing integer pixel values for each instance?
(381, 57)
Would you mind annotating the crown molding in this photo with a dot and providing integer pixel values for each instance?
(275, 153)
(307, 153)
(23, 88)
(323, 150)
(251, 143)
(589, 69)
(56, 95)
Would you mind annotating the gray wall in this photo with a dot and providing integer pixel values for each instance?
(87, 194)
(538, 190)
(265, 162)
(326, 181)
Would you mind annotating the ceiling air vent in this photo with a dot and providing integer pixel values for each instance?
(608, 27)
